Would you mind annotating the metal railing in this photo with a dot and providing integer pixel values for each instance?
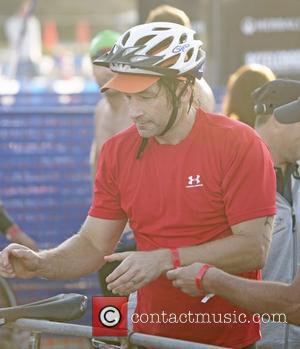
(37, 327)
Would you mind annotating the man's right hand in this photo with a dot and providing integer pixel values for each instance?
(19, 261)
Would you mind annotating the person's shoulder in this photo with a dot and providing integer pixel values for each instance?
(102, 106)
(228, 127)
(221, 121)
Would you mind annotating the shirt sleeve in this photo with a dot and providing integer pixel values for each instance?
(106, 199)
(249, 184)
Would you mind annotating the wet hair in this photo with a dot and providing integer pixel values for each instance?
(238, 103)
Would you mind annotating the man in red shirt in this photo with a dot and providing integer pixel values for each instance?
(194, 186)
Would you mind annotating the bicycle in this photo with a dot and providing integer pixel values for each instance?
(58, 308)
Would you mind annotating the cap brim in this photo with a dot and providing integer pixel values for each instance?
(129, 83)
(288, 113)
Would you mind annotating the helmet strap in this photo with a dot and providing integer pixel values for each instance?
(142, 147)
(175, 103)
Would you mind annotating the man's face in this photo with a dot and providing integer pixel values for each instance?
(284, 137)
(149, 110)
(102, 75)
(291, 140)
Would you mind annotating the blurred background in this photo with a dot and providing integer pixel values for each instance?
(48, 95)
(234, 32)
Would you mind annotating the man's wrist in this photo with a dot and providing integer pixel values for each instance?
(165, 258)
(42, 270)
(175, 258)
(210, 279)
(200, 274)
(13, 231)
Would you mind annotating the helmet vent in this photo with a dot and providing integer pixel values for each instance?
(170, 61)
(160, 28)
(161, 46)
(183, 38)
(189, 54)
(144, 40)
(125, 39)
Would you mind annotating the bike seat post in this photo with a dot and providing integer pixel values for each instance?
(34, 340)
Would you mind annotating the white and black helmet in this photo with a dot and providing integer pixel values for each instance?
(159, 49)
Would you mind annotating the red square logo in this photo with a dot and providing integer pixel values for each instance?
(109, 316)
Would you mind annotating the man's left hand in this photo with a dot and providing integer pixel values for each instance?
(136, 269)
(184, 278)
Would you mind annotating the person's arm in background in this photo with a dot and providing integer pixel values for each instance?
(79, 255)
(262, 297)
(13, 232)
(97, 143)
(103, 129)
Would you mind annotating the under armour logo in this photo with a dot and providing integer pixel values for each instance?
(194, 181)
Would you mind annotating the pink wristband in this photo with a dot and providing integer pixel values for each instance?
(175, 257)
(13, 230)
(200, 274)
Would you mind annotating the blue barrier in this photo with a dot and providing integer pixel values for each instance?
(28, 99)
(45, 180)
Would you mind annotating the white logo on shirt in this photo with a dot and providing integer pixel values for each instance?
(194, 181)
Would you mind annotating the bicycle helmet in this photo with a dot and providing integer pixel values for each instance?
(152, 51)
(102, 43)
(156, 49)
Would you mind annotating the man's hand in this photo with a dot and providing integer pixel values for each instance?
(184, 278)
(19, 261)
(136, 270)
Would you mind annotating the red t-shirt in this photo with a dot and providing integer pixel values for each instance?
(221, 174)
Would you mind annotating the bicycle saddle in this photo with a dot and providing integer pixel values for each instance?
(62, 307)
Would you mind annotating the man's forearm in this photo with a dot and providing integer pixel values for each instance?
(74, 258)
(234, 254)
(257, 296)
(245, 250)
